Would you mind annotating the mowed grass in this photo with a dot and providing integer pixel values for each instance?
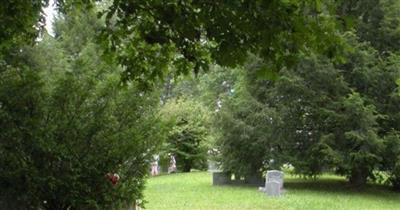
(195, 191)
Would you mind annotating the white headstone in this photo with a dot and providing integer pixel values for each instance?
(273, 188)
(212, 166)
(274, 175)
(154, 165)
(172, 165)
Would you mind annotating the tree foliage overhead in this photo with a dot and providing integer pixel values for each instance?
(152, 38)
(376, 21)
(20, 22)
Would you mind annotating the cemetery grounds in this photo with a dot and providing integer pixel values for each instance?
(195, 191)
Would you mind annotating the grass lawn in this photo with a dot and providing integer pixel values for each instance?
(195, 191)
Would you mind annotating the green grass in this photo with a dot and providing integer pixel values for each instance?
(195, 191)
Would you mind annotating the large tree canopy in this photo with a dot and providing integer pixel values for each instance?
(150, 37)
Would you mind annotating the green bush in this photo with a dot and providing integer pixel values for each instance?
(391, 156)
(66, 123)
(189, 133)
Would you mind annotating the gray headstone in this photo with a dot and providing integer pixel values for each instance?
(274, 175)
(273, 188)
(221, 178)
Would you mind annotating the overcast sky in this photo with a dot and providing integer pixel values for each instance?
(50, 12)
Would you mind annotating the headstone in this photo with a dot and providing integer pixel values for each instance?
(135, 205)
(213, 166)
(273, 183)
(221, 178)
(154, 165)
(273, 188)
(172, 165)
(275, 175)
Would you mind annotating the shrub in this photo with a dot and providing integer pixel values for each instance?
(66, 123)
(189, 133)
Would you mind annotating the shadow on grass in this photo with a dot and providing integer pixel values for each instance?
(332, 186)
(341, 187)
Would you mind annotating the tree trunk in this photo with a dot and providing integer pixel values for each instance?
(187, 165)
(358, 177)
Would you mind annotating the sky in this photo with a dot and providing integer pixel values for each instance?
(50, 11)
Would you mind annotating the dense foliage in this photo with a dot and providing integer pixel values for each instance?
(152, 38)
(189, 133)
(321, 115)
(189, 35)
(72, 107)
(67, 122)
(20, 22)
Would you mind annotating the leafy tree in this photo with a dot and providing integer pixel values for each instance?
(20, 23)
(189, 135)
(216, 86)
(151, 37)
(189, 35)
(375, 21)
(66, 123)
